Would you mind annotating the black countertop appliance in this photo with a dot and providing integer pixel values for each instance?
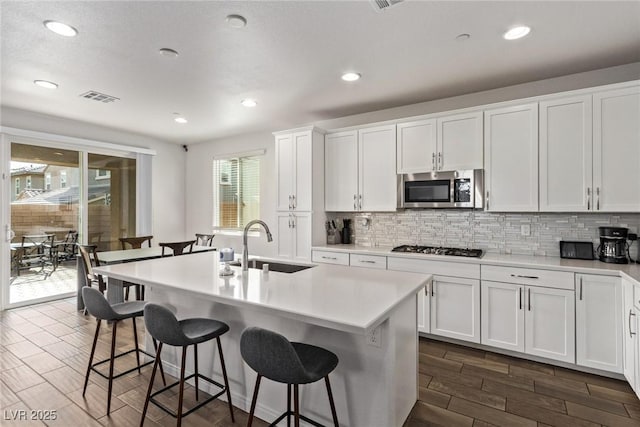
(613, 245)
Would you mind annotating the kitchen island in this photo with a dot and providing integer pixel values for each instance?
(367, 317)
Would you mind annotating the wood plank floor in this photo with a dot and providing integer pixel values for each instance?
(44, 350)
(461, 386)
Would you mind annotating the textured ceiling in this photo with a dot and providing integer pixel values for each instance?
(290, 57)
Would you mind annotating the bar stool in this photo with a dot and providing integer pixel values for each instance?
(162, 324)
(271, 355)
(98, 306)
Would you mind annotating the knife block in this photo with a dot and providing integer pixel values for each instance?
(334, 237)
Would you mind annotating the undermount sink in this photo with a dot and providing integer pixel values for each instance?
(278, 267)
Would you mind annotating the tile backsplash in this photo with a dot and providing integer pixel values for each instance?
(493, 232)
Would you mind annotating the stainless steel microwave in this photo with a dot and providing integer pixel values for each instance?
(442, 189)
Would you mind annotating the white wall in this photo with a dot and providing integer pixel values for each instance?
(199, 181)
(168, 188)
(199, 197)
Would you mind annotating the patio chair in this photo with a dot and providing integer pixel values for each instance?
(67, 249)
(36, 251)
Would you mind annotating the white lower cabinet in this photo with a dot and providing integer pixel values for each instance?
(549, 326)
(502, 319)
(631, 355)
(530, 319)
(599, 332)
(455, 308)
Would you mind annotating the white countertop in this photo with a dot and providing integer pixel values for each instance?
(630, 271)
(350, 299)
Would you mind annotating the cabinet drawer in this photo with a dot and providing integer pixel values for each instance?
(442, 268)
(326, 257)
(369, 261)
(528, 276)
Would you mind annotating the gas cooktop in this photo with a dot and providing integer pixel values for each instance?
(434, 250)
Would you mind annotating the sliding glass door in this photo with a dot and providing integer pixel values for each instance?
(45, 191)
(111, 200)
(53, 198)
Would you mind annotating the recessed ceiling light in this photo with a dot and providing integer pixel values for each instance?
(463, 37)
(169, 53)
(249, 102)
(236, 21)
(351, 77)
(46, 84)
(516, 32)
(180, 120)
(60, 28)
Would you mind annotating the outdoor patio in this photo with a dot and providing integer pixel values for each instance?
(33, 284)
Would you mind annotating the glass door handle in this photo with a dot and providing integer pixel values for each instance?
(10, 234)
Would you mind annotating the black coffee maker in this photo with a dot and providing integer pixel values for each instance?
(613, 245)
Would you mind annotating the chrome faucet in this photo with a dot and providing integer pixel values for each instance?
(245, 247)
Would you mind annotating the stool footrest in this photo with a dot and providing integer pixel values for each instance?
(135, 368)
(292, 414)
(198, 406)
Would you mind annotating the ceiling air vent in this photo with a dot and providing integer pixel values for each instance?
(100, 97)
(380, 5)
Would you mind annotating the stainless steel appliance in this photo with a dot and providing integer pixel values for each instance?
(613, 245)
(438, 250)
(442, 189)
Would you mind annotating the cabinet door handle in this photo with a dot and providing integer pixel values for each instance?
(293, 201)
(588, 198)
(581, 289)
(487, 200)
(433, 285)
(355, 205)
(426, 289)
(433, 161)
(522, 276)
(597, 198)
(289, 201)
(529, 298)
(520, 297)
(329, 257)
(631, 313)
(293, 221)
(360, 201)
(440, 160)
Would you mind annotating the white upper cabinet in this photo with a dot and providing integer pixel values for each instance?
(566, 155)
(360, 170)
(341, 171)
(416, 146)
(460, 142)
(446, 143)
(616, 140)
(294, 166)
(377, 169)
(511, 158)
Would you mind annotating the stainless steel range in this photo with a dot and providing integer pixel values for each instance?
(438, 250)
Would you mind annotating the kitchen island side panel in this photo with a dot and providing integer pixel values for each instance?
(372, 386)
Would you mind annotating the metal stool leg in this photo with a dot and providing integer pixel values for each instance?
(288, 405)
(155, 347)
(111, 363)
(135, 340)
(181, 395)
(93, 351)
(296, 406)
(153, 376)
(253, 401)
(226, 380)
(333, 406)
(195, 366)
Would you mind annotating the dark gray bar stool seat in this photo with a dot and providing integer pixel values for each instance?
(272, 356)
(162, 324)
(98, 306)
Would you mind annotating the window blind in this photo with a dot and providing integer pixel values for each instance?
(236, 188)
